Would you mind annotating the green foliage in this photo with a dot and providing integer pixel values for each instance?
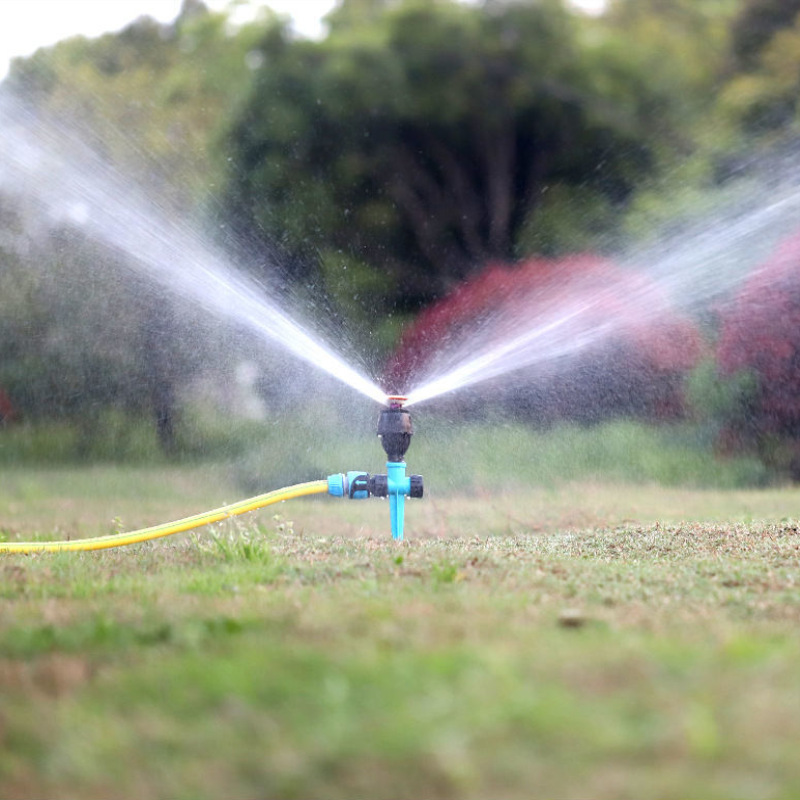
(763, 99)
(680, 43)
(720, 400)
(626, 452)
(103, 634)
(206, 433)
(294, 449)
(455, 456)
(108, 436)
(568, 220)
(756, 26)
(756, 104)
(83, 340)
(355, 288)
(686, 44)
(153, 96)
(79, 336)
(66, 339)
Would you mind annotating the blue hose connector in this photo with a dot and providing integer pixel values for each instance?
(354, 485)
(395, 485)
(336, 484)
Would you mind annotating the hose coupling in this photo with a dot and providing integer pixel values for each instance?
(379, 486)
(360, 485)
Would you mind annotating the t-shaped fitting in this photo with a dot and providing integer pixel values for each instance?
(395, 431)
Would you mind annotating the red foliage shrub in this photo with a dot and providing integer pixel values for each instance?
(7, 411)
(760, 331)
(629, 350)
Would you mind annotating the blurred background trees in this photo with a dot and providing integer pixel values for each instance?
(390, 163)
(422, 139)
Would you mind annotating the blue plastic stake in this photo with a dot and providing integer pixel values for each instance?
(399, 486)
(356, 485)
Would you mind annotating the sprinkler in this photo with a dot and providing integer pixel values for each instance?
(394, 431)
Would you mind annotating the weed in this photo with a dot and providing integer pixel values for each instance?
(445, 572)
(235, 541)
(283, 525)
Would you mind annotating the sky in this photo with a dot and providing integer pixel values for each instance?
(26, 25)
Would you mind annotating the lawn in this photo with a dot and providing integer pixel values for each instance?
(580, 640)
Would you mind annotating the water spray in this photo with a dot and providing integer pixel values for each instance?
(395, 431)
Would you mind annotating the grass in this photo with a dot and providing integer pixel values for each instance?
(573, 640)
(62, 501)
(307, 442)
(455, 457)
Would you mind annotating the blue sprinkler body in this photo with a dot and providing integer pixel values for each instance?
(394, 430)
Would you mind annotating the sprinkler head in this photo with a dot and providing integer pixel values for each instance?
(395, 429)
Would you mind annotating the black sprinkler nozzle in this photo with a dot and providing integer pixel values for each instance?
(395, 431)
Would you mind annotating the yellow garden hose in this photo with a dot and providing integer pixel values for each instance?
(168, 528)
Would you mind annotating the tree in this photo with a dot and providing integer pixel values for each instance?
(79, 333)
(153, 97)
(422, 139)
(67, 337)
(761, 96)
